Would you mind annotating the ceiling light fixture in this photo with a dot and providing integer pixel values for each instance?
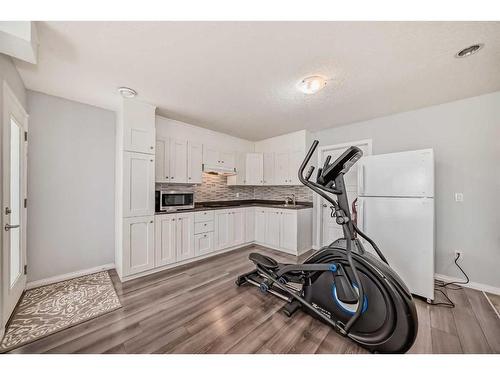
(127, 92)
(469, 50)
(312, 84)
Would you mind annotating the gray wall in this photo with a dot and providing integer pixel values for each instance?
(70, 186)
(465, 136)
(9, 74)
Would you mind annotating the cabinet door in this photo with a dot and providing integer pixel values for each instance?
(184, 239)
(288, 230)
(295, 159)
(228, 159)
(268, 168)
(273, 228)
(165, 233)
(281, 168)
(221, 229)
(260, 225)
(203, 243)
(138, 126)
(210, 155)
(194, 162)
(178, 161)
(254, 166)
(249, 224)
(162, 157)
(238, 227)
(138, 245)
(240, 177)
(138, 184)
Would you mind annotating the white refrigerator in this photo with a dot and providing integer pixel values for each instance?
(396, 209)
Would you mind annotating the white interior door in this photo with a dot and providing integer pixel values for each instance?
(14, 128)
(329, 229)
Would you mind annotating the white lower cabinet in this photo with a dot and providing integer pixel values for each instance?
(138, 245)
(203, 243)
(260, 225)
(273, 224)
(151, 242)
(165, 235)
(184, 238)
(174, 238)
(284, 229)
(229, 228)
(249, 224)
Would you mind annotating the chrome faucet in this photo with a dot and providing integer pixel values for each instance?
(292, 199)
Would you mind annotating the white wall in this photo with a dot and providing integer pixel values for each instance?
(465, 136)
(9, 74)
(70, 186)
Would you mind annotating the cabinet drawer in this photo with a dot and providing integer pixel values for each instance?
(203, 216)
(203, 227)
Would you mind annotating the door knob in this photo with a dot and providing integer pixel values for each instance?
(9, 227)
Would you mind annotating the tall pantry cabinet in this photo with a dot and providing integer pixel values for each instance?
(135, 188)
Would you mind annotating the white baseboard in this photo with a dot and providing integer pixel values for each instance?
(472, 285)
(67, 276)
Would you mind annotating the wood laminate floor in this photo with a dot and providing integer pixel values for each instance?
(198, 309)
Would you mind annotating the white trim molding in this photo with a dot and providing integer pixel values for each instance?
(472, 284)
(67, 276)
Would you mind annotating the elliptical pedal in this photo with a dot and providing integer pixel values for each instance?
(290, 308)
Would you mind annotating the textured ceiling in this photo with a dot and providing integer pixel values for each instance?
(240, 77)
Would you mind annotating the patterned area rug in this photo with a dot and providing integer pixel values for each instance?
(52, 308)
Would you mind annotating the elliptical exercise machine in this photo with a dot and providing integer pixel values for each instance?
(358, 295)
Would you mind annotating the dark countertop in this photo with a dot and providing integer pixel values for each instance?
(222, 205)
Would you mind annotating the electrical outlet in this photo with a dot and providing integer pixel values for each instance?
(459, 254)
(459, 197)
(237, 195)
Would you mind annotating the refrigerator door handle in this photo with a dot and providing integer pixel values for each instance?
(361, 179)
(362, 214)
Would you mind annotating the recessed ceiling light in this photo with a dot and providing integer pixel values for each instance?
(469, 50)
(312, 84)
(127, 92)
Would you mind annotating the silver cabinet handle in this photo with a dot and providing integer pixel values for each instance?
(9, 227)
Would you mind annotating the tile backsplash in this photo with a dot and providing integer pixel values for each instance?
(215, 188)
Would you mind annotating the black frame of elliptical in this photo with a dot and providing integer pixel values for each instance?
(343, 215)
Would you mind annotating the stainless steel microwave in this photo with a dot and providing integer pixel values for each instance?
(174, 200)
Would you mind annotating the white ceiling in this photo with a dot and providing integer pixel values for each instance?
(240, 77)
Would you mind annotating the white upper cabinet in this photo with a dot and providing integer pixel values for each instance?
(138, 184)
(254, 169)
(240, 177)
(214, 157)
(295, 159)
(210, 155)
(178, 160)
(138, 126)
(268, 168)
(138, 245)
(281, 168)
(194, 162)
(162, 167)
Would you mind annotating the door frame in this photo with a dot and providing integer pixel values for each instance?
(10, 103)
(318, 236)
